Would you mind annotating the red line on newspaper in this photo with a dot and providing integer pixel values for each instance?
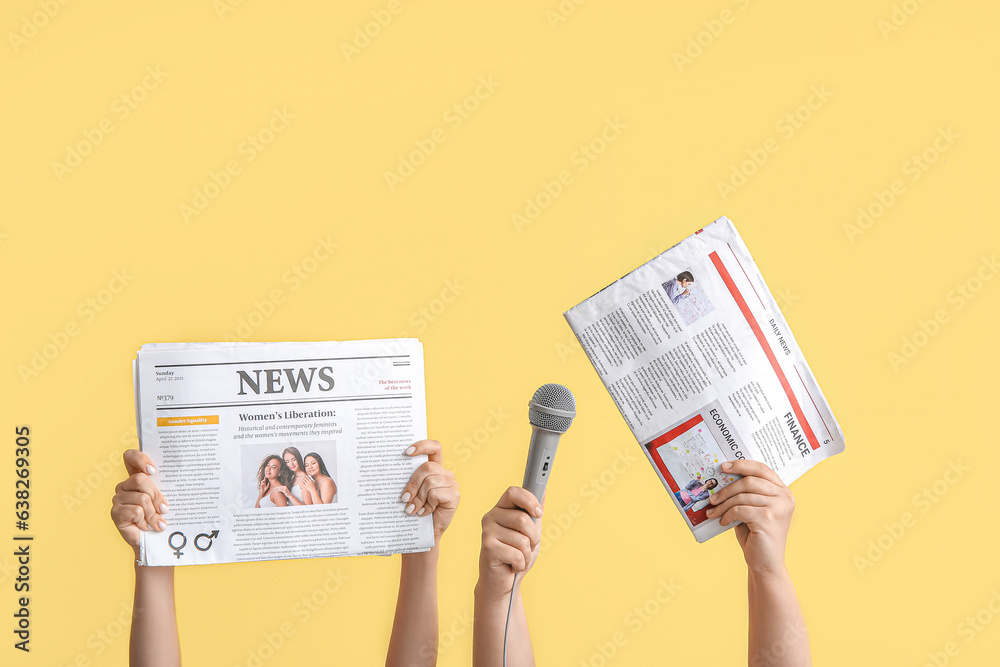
(813, 402)
(728, 279)
(667, 437)
(747, 277)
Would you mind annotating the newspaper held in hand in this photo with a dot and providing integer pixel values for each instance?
(268, 451)
(703, 367)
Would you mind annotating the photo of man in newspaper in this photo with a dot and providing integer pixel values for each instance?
(286, 478)
(688, 297)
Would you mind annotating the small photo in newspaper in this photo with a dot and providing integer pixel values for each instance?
(687, 295)
(277, 475)
(688, 457)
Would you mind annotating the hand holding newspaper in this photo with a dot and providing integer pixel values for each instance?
(282, 450)
(703, 367)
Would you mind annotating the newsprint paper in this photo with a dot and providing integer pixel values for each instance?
(268, 451)
(703, 367)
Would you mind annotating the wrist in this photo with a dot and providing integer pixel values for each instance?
(422, 560)
(150, 575)
(764, 576)
(137, 550)
(490, 592)
(486, 594)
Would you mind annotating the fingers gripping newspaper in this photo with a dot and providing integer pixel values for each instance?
(268, 451)
(703, 367)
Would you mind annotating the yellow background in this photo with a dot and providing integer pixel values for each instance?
(850, 301)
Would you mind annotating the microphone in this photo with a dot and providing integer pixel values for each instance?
(550, 412)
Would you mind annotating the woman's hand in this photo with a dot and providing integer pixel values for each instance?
(764, 504)
(265, 486)
(432, 489)
(280, 488)
(510, 541)
(137, 504)
(310, 492)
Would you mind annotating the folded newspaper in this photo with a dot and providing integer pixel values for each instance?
(703, 367)
(268, 451)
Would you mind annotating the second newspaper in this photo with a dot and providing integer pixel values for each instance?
(704, 369)
(282, 450)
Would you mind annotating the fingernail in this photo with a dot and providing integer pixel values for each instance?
(409, 508)
(538, 511)
(406, 496)
(709, 511)
(163, 508)
(713, 499)
(410, 451)
(727, 465)
(420, 512)
(150, 470)
(162, 525)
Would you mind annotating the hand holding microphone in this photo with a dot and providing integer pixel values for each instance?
(511, 530)
(512, 535)
(510, 542)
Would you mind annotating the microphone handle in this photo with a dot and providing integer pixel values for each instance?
(541, 456)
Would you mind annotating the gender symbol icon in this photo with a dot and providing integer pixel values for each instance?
(177, 547)
(207, 536)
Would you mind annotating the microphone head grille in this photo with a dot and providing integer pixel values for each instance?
(546, 405)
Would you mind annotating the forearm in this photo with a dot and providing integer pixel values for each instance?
(778, 633)
(489, 626)
(153, 641)
(414, 638)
